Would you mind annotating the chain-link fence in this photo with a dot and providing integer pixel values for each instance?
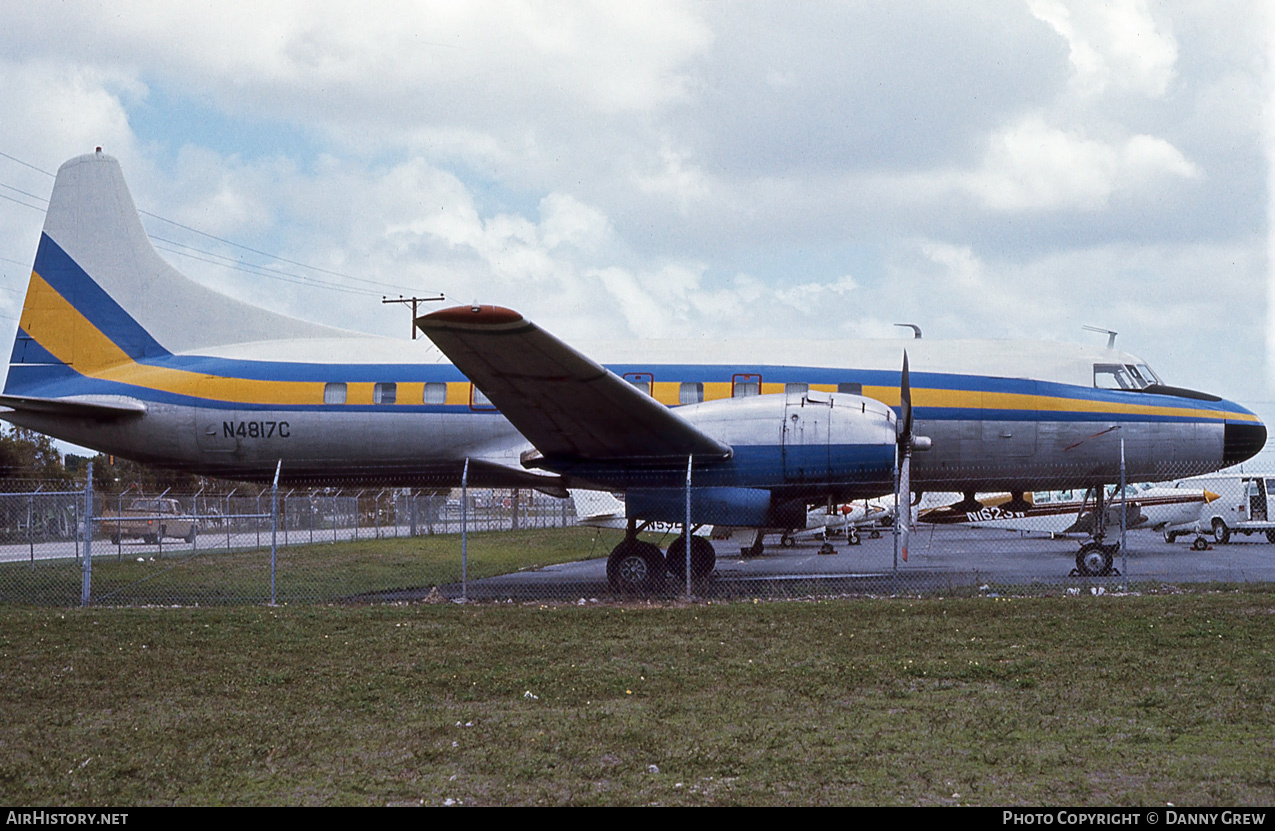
(349, 545)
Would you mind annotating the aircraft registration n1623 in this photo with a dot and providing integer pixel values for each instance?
(119, 352)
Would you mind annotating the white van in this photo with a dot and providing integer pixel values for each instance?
(1242, 506)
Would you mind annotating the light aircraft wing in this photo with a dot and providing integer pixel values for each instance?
(97, 408)
(566, 404)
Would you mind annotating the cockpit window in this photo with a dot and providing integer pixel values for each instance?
(1149, 374)
(1112, 377)
(1123, 376)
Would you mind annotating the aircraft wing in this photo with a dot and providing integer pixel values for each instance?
(95, 407)
(566, 404)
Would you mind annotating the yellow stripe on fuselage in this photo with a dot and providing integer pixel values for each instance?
(62, 330)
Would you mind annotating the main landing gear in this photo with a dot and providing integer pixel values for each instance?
(638, 567)
(1096, 559)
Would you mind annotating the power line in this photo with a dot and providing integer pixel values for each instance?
(23, 204)
(28, 164)
(271, 256)
(262, 271)
(220, 259)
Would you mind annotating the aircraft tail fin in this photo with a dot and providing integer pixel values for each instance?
(101, 296)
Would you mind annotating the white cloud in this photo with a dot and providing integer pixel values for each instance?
(1115, 44)
(1033, 166)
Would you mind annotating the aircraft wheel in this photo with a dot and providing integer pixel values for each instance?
(115, 539)
(635, 567)
(874, 534)
(853, 536)
(787, 541)
(1270, 536)
(1093, 560)
(1200, 544)
(190, 535)
(150, 539)
(1221, 534)
(1170, 536)
(703, 558)
(827, 548)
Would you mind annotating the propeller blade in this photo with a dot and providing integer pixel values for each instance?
(904, 496)
(904, 517)
(905, 400)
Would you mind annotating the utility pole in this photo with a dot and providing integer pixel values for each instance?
(414, 301)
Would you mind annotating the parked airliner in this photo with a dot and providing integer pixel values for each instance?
(118, 351)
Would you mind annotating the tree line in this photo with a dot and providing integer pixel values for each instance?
(29, 459)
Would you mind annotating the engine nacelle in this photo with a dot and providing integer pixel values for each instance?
(789, 450)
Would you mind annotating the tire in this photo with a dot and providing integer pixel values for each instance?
(1221, 534)
(703, 558)
(1270, 536)
(786, 541)
(1093, 560)
(635, 567)
(150, 539)
(115, 539)
(1170, 536)
(190, 535)
(1200, 544)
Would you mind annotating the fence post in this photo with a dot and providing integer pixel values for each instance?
(356, 515)
(464, 533)
(119, 525)
(194, 523)
(1124, 513)
(30, 531)
(86, 584)
(225, 517)
(689, 460)
(332, 505)
(274, 528)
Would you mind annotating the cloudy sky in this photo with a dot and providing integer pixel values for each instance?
(1014, 168)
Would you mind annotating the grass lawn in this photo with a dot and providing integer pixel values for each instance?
(1076, 700)
(304, 573)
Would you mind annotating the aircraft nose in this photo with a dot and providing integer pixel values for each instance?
(1242, 441)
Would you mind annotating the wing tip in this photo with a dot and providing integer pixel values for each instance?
(474, 315)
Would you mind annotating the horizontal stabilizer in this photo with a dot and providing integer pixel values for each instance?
(566, 404)
(96, 407)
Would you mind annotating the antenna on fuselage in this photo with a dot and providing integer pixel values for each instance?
(1111, 336)
(916, 330)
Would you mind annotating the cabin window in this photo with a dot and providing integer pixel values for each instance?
(436, 392)
(690, 392)
(334, 392)
(385, 392)
(477, 399)
(800, 389)
(743, 386)
(641, 380)
(850, 388)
